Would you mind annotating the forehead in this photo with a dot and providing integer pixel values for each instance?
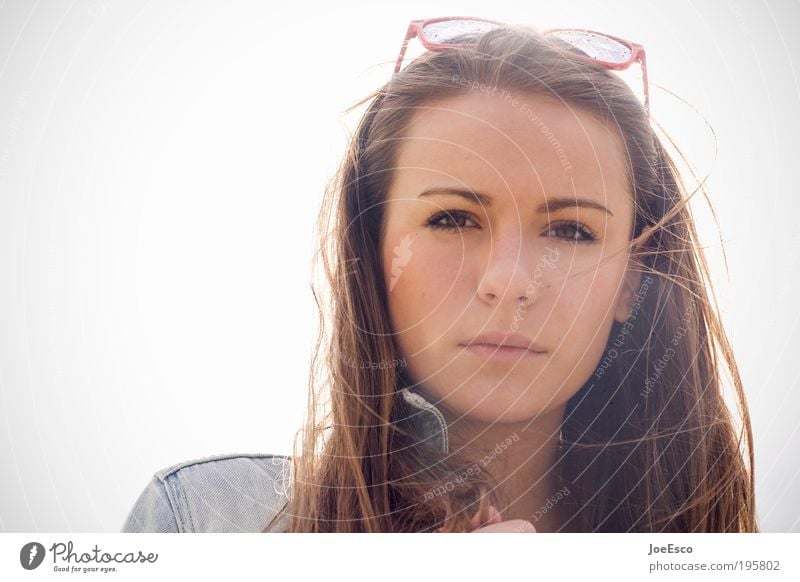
(512, 144)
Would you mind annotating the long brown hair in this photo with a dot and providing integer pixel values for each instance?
(649, 444)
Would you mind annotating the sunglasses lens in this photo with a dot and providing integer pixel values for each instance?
(456, 31)
(596, 46)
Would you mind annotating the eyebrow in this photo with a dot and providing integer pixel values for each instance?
(550, 205)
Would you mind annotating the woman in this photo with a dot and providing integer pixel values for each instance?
(521, 335)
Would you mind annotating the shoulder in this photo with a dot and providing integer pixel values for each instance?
(220, 493)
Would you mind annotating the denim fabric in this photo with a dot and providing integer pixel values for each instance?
(221, 493)
(243, 492)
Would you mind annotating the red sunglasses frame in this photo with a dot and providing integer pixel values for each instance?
(415, 28)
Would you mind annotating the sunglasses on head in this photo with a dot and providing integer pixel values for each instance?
(606, 50)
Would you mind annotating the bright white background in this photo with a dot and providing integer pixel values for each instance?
(161, 167)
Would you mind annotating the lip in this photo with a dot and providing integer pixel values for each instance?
(498, 345)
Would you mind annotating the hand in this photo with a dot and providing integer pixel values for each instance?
(495, 524)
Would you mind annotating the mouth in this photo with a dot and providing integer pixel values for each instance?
(500, 352)
(502, 345)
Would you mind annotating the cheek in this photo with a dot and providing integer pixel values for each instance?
(421, 280)
(583, 312)
(588, 297)
(422, 300)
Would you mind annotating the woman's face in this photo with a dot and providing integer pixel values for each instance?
(553, 226)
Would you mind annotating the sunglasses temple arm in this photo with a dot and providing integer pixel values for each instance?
(643, 63)
(410, 33)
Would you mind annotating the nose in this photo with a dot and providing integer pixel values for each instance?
(510, 269)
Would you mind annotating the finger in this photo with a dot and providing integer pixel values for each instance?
(494, 517)
(474, 521)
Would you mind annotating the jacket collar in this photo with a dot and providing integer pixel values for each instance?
(426, 420)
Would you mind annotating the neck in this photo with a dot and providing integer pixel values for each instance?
(521, 457)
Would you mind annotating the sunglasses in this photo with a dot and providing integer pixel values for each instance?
(611, 52)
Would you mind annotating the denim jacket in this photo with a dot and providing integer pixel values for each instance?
(241, 492)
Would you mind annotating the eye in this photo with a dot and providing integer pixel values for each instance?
(444, 220)
(573, 232)
(455, 220)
